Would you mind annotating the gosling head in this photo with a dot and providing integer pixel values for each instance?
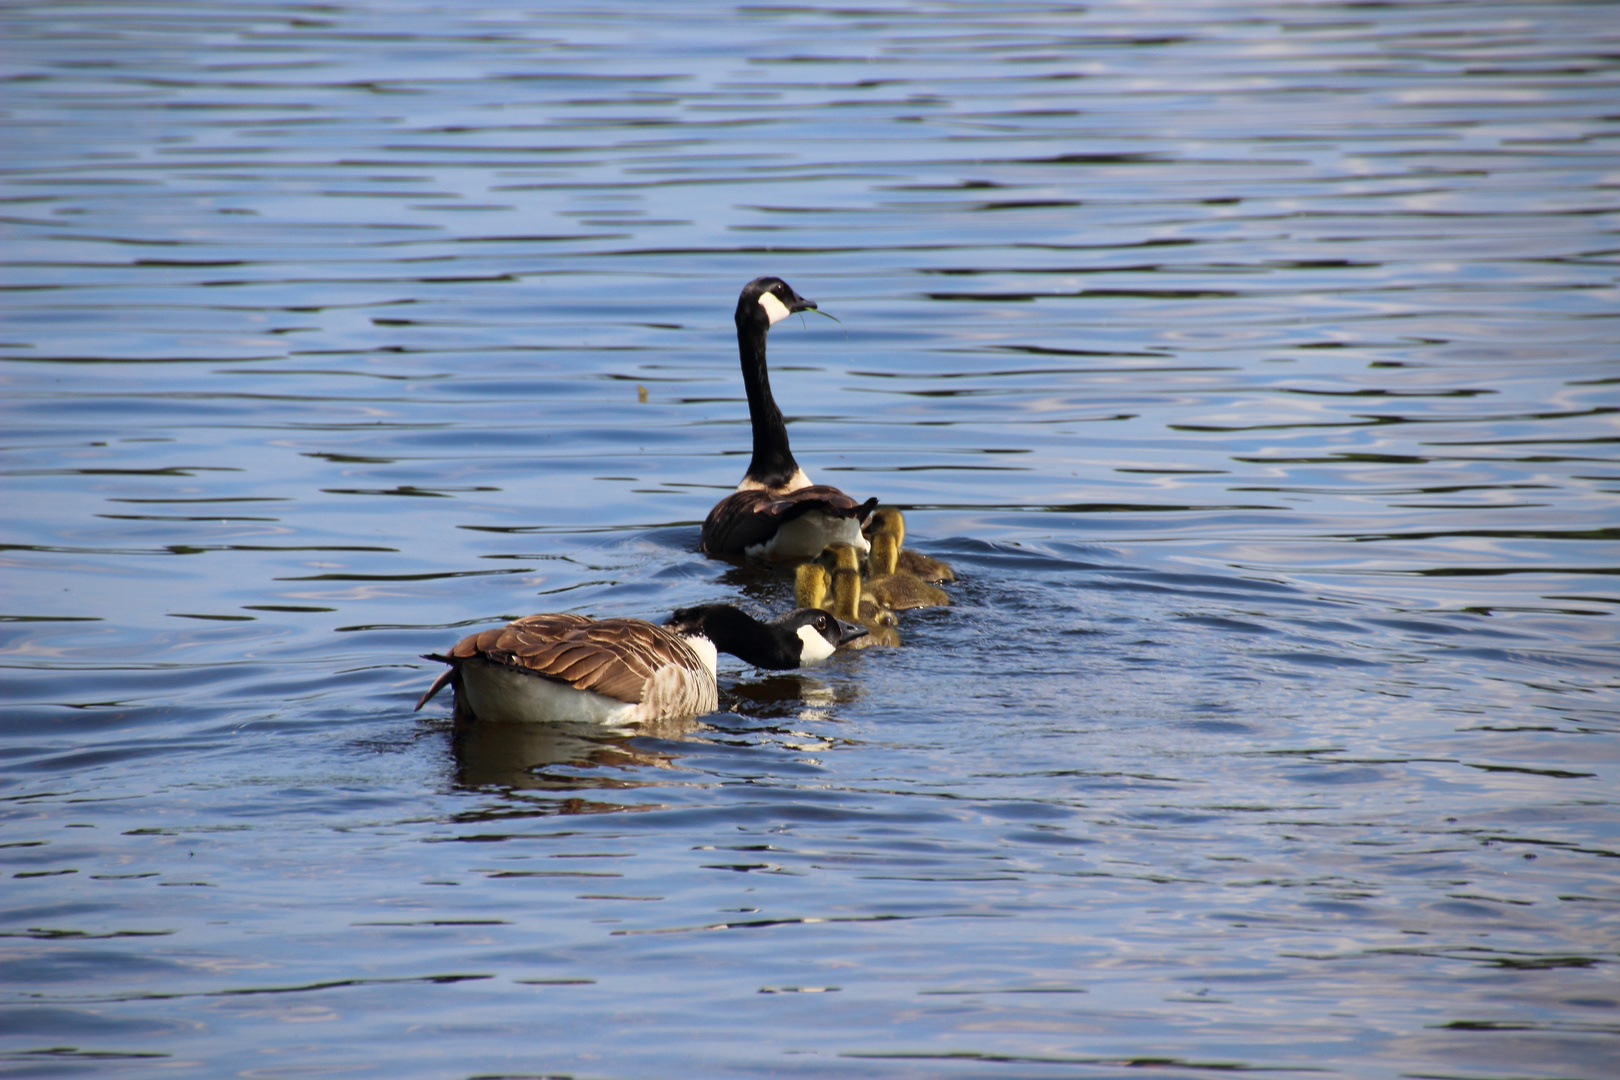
(840, 556)
(886, 519)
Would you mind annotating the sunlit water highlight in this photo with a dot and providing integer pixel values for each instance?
(1253, 364)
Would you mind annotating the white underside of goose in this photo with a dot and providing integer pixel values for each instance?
(807, 534)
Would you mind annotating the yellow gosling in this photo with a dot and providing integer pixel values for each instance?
(810, 584)
(915, 563)
(840, 556)
(879, 621)
(894, 589)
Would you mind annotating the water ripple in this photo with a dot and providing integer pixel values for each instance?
(1250, 363)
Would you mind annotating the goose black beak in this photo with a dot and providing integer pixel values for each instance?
(848, 632)
(801, 304)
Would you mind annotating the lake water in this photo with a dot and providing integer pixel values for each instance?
(1254, 364)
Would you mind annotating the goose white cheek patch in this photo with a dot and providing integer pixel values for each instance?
(775, 310)
(816, 647)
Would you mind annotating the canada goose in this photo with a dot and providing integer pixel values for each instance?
(899, 591)
(915, 563)
(622, 671)
(776, 512)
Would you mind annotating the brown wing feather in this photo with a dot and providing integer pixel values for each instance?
(745, 518)
(612, 657)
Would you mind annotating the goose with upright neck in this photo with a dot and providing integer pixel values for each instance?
(776, 512)
(620, 672)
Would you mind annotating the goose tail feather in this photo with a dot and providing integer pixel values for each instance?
(445, 678)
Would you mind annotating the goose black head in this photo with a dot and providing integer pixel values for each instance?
(766, 301)
(802, 636)
(819, 632)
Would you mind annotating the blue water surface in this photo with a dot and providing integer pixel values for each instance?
(1253, 363)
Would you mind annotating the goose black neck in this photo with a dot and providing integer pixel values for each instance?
(772, 464)
(743, 636)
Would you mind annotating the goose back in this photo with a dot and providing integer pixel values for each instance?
(618, 670)
(792, 525)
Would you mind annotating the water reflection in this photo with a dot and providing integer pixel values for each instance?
(516, 756)
(520, 756)
(794, 694)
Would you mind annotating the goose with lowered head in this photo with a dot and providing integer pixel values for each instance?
(776, 512)
(618, 672)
